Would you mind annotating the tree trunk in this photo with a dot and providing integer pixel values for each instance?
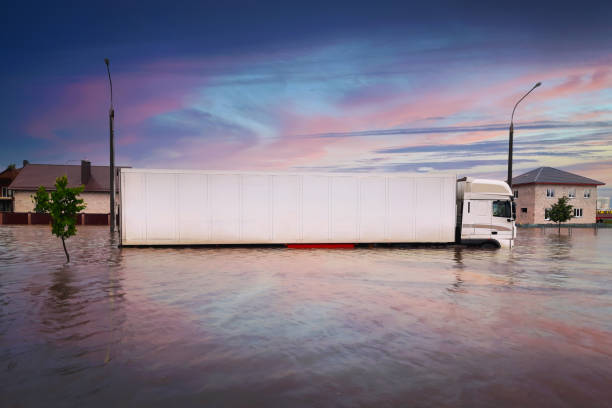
(559, 225)
(67, 256)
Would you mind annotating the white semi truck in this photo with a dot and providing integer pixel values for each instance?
(192, 207)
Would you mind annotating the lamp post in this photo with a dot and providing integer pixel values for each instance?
(512, 134)
(111, 119)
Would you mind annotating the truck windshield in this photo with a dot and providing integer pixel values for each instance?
(502, 209)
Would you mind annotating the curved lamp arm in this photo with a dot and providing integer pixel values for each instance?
(111, 81)
(519, 101)
(510, 142)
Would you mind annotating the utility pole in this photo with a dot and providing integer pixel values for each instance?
(509, 181)
(111, 119)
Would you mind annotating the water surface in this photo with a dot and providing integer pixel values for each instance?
(421, 327)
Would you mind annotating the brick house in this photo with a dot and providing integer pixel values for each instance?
(537, 190)
(95, 179)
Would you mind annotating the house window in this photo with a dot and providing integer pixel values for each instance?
(572, 193)
(550, 192)
(587, 193)
(515, 193)
(523, 210)
(547, 214)
(4, 192)
(578, 212)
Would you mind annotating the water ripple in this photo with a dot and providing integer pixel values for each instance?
(427, 326)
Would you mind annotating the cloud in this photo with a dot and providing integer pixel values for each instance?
(416, 167)
(355, 104)
(461, 129)
(524, 145)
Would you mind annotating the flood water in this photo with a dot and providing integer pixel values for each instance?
(418, 327)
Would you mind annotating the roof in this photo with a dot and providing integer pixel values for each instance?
(9, 174)
(34, 175)
(549, 175)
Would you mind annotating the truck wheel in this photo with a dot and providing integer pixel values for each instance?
(488, 245)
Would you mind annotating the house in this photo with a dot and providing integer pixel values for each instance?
(537, 190)
(6, 197)
(95, 179)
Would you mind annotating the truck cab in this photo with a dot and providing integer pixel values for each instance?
(485, 213)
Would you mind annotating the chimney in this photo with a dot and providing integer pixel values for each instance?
(25, 162)
(85, 171)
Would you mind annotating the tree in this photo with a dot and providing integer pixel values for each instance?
(63, 205)
(560, 212)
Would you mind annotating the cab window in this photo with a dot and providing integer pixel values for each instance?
(502, 209)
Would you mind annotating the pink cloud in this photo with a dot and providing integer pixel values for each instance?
(281, 153)
(75, 103)
(137, 97)
(448, 103)
(601, 171)
(171, 85)
(575, 81)
(128, 139)
(599, 114)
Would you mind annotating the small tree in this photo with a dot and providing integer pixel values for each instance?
(63, 205)
(560, 212)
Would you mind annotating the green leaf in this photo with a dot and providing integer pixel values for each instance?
(561, 211)
(63, 204)
(41, 201)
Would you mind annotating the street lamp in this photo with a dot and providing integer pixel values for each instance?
(111, 118)
(512, 134)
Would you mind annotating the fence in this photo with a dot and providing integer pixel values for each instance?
(39, 219)
(21, 218)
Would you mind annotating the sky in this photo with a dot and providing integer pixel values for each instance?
(423, 88)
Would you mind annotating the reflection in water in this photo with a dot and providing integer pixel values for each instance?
(275, 327)
(458, 265)
(61, 288)
(560, 255)
(559, 246)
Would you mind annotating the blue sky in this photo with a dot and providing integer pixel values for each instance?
(317, 86)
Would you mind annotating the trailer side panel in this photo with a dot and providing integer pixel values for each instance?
(174, 207)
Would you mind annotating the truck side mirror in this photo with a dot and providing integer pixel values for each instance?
(513, 210)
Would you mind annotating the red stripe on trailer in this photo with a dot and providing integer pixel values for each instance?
(325, 246)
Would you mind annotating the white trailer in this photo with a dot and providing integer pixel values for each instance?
(187, 207)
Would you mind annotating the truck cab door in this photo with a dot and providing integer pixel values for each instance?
(502, 220)
(481, 218)
(476, 220)
(467, 227)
